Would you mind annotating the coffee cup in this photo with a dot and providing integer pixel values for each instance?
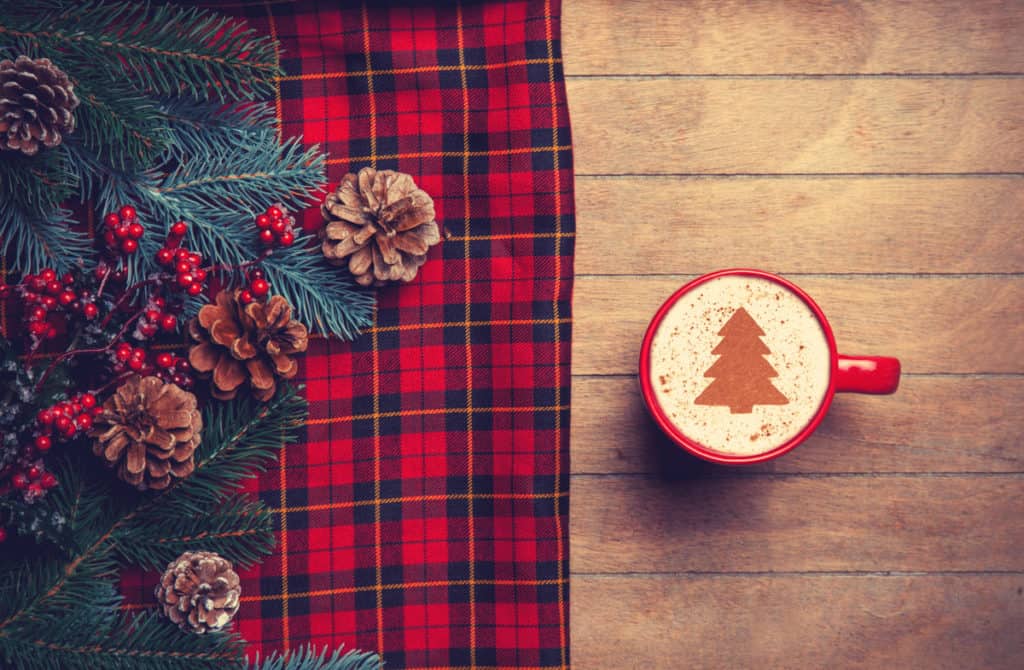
(741, 366)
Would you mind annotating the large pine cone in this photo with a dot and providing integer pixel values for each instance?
(148, 430)
(239, 343)
(199, 591)
(381, 224)
(36, 104)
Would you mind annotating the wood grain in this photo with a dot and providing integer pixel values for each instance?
(725, 522)
(936, 622)
(933, 424)
(637, 225)
(809, 37)
(771, 126)
(933, 324)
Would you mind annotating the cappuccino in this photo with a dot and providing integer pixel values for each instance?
(740, 365)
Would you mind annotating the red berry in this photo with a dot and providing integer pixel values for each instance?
(165, 256)
(148, 329)
(195, 289)
(136, 230)
(182, 365)
(127, 212)
(274, 212)
(129, 246)
(262, 221)
(38, 328)
(179, 379)
(139, 353)
(260, 287)
(287, 238)
(43, 443)
(111, 220)
(47, 481)
(51, 333)
(164, 360)
(37, 313)
(45, 417)
(245, 296)
(194, 258)
(35, 489)
(91, 311)
(181, 255)
(255, 273)
(135, 364)
(123, 351)
(88, 400)
(76, 407)
(39, 284)
(183, 267)
(168, 322)
(184, 279)
(159, 302)
(3, 534)
(267, 236)
(278, 226)
(47, 275)
(68, 279)
(152, 314)
(179, 229)
(33, 473)
(48, 301)
(123, 231)
(199, 274)
(83, 421)
(19, 481)
(98, 409)
(66, 297)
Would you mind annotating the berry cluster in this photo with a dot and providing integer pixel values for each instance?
(155, 318)
(33, 480)
(126, 357)
(66, 419)
(276, 226)
(123, 231)
(176, 369)
(258, 288)
(185, 264)
(46, 293)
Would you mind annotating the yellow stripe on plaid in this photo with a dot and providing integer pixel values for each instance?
(448, 154)
(315, 76)
(439, 497)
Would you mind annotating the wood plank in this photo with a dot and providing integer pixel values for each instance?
(935, 622)
(766, 37)
(933, 324)
(771, 126)
(732, 522)
(857, 224)
(934, 424)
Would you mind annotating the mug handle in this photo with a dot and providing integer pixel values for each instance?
(878, 375)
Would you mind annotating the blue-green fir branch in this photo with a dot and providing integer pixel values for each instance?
(309, 658)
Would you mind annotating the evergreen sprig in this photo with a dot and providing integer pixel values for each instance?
(62, 611)
(308, 658)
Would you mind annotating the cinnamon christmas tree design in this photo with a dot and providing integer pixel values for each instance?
(741, 374)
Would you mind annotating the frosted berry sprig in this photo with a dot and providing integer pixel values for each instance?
(46, 294)
(66, 419)
(122, 231)
(276, 226)
(175, 369)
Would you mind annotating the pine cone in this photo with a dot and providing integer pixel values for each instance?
(36, 104)
(239, 343)
(382, 223)
(148, 430)
(199, 591)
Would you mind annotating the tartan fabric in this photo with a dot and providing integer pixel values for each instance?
(424, 513)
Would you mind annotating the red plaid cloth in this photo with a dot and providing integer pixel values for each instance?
(424, 513)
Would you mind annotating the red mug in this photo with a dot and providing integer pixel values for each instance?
(741, 375)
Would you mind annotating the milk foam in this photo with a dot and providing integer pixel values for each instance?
(681, 354)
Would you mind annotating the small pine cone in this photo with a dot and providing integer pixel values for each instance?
(380, 224)
(148, 430)
(36, 104)
(241, 343)
(199, 591)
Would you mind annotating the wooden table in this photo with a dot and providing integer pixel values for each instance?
(874, 153)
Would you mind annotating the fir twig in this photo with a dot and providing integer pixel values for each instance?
(308, 658)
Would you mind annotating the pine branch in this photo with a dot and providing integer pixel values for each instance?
(324, 298)
(40, 239)
(161, 49)
(308, 658)
(235, 527)
(142, 642)
(118, 125)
